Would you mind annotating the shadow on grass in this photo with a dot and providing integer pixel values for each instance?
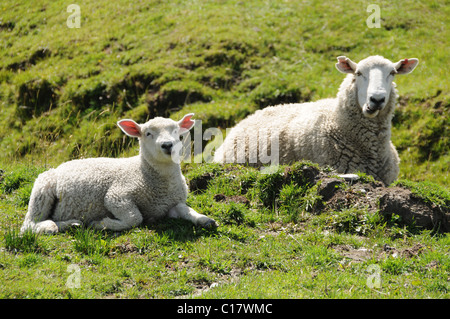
(180, 230)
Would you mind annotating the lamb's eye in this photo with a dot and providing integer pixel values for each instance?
(148, 134)
(358, 73)
(393, 72)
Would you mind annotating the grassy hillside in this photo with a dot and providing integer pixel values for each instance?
(63, 89)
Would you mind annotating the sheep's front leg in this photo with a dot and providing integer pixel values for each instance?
(185, 212)
(126, 214)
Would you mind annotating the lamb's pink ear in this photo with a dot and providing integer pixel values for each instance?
(345, 65)
(406, 66)
(130, 127)
(186, 123)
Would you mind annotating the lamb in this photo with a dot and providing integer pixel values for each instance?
(117, 194)
(350, 133)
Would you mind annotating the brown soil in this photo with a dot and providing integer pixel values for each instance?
(387, 200)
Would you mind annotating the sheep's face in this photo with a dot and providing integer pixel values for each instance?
(373, 77)
(159, 138)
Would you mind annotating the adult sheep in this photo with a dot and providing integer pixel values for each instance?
(117, 194)
(350, 133)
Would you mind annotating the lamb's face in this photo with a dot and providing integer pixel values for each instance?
(373, 77)
(160, 137)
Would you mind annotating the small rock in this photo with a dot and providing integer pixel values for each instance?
(350, 177)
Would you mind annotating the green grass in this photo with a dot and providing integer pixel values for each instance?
(62, 91)
(16, 242)
(274, 249)
(90, 242)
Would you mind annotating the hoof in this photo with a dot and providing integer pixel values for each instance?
(210, 224)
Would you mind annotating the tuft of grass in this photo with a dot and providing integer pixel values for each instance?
(91, 242)
(27, 242)
(294, 201)
(235, 214)
(290, 189)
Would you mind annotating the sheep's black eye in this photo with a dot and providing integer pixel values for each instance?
(393, 72)
(358, 73)
(148, 134)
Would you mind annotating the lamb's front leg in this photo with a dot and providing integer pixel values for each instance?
(185, 212)
(126, 213)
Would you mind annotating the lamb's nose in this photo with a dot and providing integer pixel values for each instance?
(167, 147)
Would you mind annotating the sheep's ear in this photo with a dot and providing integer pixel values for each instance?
(130, 127)
(186, 123)
(406, 66)
(345, 65)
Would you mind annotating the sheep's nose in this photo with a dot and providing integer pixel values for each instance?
(167, 147)
(377, 102)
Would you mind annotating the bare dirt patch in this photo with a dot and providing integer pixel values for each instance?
(236, 199)
(374, 196)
